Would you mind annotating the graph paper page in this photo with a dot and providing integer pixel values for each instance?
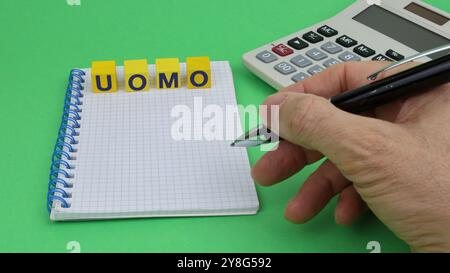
(129, 165)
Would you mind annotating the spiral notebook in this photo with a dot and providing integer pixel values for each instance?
(115, 156)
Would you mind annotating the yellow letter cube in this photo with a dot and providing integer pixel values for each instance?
(167, 73)
(198, 70)
(104, 78)
(136, 75)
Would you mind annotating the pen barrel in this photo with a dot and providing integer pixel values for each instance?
(404, 84)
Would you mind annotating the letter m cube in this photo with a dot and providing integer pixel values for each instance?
(167, 73)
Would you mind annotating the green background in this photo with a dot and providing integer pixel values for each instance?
(42, 40)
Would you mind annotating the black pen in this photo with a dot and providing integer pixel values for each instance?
(420, 78)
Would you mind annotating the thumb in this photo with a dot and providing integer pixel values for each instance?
(314, 123)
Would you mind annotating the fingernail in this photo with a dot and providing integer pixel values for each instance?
(338, 215)
(275, 99)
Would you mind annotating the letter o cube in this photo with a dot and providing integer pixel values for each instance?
(136, 75)
(198, 70)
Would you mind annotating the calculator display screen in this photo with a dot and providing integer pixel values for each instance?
(401, 29)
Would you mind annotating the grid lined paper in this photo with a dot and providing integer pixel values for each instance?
(128, 164)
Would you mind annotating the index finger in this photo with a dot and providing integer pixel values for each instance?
(337, 79)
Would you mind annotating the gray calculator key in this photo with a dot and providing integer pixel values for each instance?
(316, 54)
(315, 69)
(266, 56)
(330, 62)
(301, 61)
(331, 47)
(285, 68)
(348, 56)
(299, 77)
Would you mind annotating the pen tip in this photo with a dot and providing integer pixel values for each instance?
(233, 144)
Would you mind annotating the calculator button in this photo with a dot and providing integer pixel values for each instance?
(301, 61)
(299, 77)
(282, 50)
(330, 62)
(285, 68)
(297, 43)
(381, 57)
(327, 31)
(364, 51)
(346, 41)
(348, 57)
(312, 37)
(394, 55)
(316, 54)
(331, 47)
(266, 56)
(315, 69)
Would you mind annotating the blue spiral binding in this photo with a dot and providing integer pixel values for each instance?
(65, 147)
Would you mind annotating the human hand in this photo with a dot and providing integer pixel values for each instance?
(395, 160)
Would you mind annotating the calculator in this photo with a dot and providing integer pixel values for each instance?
(382, 30)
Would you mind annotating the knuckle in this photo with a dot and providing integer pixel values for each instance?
(373, 152)
(373, 142)
(303, 122)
